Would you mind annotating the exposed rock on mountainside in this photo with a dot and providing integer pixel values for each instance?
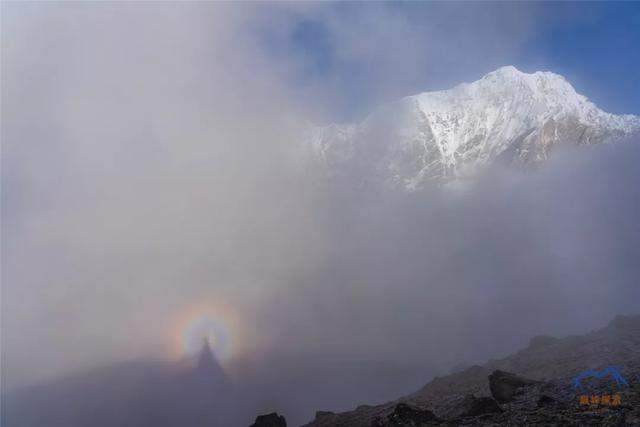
(472, 406)
(507, 116)
(541, 390)
(505, 385)
(270, 420)
(406, 416)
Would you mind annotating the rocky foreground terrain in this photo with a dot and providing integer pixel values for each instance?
(532, 386)
(535, 386)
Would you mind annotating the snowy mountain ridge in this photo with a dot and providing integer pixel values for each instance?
(507, 115)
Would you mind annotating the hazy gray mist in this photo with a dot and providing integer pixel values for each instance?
(151, 161)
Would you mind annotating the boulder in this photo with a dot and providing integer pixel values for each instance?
(545, 400)
(505, 385)
(472, 406)
(407, 416)
(270, 420)
(324, 417)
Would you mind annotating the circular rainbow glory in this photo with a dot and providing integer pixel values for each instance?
(212, 322)
(210, 329)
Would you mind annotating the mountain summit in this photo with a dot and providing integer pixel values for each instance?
(507, 115)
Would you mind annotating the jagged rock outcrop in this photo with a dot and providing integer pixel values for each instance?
(546, 400)
(326, 416)
(472, 406)
(407, 416)
(270, 420)
(505, 385)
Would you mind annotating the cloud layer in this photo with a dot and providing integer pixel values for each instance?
(150, 161)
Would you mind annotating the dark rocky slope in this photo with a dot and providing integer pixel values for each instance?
(532, 386)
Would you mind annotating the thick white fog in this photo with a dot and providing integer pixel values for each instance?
(152, 160)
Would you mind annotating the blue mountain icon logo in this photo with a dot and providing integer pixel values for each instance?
(613, 371)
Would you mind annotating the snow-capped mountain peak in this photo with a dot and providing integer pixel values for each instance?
(507, 114)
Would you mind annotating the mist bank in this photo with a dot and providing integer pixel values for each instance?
(472, 270)
(152, 162)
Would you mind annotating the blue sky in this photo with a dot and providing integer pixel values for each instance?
(361, 54)
(600, 54)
